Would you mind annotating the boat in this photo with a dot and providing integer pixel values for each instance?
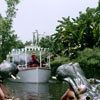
(31, 74)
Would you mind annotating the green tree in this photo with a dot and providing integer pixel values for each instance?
(19, 44)
(78, 33)
(27, 43)
(7, 37)
(47, 42)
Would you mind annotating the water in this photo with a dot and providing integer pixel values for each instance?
(46, 91)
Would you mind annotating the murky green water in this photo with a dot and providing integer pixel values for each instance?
(47, 91)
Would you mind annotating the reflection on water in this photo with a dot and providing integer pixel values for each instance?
(26, 91)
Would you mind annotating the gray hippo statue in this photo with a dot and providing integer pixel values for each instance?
(7, 70)
(73, 74)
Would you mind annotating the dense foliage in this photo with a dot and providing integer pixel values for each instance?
(8, 40)
(76, 39)
(71, 39)
(89, 60)
(79, 33)
(57, 61)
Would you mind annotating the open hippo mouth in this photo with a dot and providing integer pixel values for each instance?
(7, 70)
(73, 74)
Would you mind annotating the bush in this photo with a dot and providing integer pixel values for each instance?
(89, 60)
(57, 62)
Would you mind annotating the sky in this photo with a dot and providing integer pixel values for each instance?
(43, 15)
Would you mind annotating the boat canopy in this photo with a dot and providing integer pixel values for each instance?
(22, 56)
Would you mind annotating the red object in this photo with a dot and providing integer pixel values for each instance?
(33, 61)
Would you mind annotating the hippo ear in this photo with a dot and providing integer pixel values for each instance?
(67, 79)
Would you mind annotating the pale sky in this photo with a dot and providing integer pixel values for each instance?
(42, 15)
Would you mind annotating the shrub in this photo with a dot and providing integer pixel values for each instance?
(89, 60)
(57, 62)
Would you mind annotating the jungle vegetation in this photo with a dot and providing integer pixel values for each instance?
(76, 39)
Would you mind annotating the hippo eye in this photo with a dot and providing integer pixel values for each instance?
(71, 98)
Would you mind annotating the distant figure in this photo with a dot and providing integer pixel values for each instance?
(34, 62)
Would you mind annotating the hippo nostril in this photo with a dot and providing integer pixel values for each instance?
(88, 98)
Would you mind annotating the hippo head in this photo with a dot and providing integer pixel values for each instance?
(73, 74)
(8, 69)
